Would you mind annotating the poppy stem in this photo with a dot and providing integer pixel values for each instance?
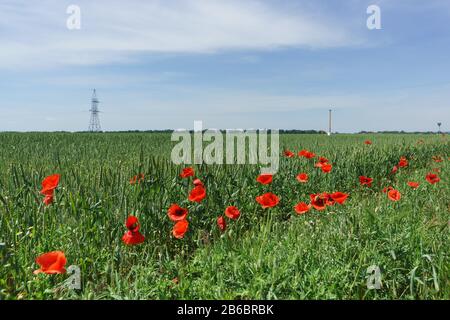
(43, 222)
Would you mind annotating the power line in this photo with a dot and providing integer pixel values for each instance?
(94, 124)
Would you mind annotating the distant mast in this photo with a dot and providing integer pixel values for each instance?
(329, 122)
(94, 124)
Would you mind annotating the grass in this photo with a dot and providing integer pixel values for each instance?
(266, 254)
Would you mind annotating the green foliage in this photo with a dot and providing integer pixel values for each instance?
(265, 254)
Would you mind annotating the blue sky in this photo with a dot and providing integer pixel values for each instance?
(231, 64)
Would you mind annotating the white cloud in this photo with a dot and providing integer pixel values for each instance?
(35, 33)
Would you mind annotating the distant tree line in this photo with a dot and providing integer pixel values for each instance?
(293, 131)
(399, 132)
(281, 131)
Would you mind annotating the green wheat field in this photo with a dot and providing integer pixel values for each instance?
(271, 253)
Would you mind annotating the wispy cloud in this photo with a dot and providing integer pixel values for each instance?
(162, 64)
(35, 33)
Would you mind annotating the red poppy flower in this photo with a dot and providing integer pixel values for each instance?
(197, 194)
(187, 172)
(51, 263)
(302, 208)
(232, 212)
(367, 142)
(339, 197)
(386, 189)
(132, 236)
(394, 195)
(176, 213)
(413, 184)
(326, 167)
(268, 200)
(329, 201)
(432, 178)
(221, 223)
(50, 183)
(264, 178)
(394, 170)
(302, 177)
(309, 155)
(180, 228)
(198, 182)
(437, 170)
(321, 162)
(403, 162)
(319, 201)
(289, 154)
(365, 181)
(48, 189)
(437, 159)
